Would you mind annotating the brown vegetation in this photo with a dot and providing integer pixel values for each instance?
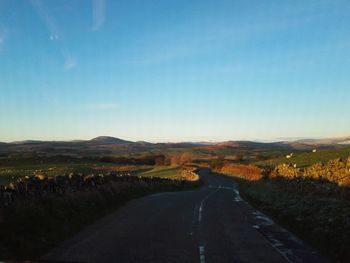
(180, 159)
(189, 173)
(248, 172)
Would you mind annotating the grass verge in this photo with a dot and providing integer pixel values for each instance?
(315, 214)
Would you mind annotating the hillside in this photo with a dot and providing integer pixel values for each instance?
(308, 158)
(106, 145)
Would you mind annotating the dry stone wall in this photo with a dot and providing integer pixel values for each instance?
(337, 171)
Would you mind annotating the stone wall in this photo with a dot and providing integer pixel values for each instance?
(337, 171)
(39, 186)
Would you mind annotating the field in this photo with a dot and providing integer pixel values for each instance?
(13, 168)
(170, 172)
(316, 210)
(304, 159)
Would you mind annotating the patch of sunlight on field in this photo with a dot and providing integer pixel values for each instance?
(172, 172)
(14, 170)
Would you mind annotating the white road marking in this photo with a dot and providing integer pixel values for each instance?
(266, 221)
(200, 212)
(201, 254)
(201, 248)
(278, 246)
(275, 243)
(237, 197)
(194, 220)
(201, 205)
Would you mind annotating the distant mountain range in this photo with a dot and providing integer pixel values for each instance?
(112, 145)
(110, 140)
(327, 141)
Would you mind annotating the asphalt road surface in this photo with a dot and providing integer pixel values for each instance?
(208, 224)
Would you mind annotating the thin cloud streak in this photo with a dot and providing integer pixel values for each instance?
(98, 14)
(48, 19)
(55, 34)
(159, 49)
(69, 61)
(2, 38)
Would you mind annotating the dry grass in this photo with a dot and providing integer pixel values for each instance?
(247, 172)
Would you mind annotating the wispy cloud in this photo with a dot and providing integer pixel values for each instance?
(193, 39)
(98, 14)
(54, 32)
(69, 61)
(2, 38)
(48, 19)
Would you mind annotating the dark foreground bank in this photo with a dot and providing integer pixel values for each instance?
(316, 212)
(31, 225)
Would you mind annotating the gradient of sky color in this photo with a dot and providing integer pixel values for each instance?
(181, 70)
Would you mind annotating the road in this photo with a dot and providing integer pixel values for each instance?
(208, 224)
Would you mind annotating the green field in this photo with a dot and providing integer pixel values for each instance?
(14, 168)
(172, 172)
(11, 171)
(309, 158)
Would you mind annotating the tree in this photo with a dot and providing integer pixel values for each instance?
(218, 163)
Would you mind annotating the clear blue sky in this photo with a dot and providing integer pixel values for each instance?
(174, 70)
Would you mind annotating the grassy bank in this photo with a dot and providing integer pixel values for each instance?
(312, 201)
(30, 228)
(318, 212)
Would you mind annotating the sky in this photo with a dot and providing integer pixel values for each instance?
(160, 70)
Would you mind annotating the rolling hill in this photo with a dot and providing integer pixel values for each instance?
(107, 145)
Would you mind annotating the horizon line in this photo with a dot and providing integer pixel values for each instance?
(271, 140)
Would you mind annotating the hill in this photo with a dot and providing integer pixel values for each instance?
(111, 146)
(108, 140)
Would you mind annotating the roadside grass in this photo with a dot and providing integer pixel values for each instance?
(315, 209)
(318, 212)
(307, 159)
